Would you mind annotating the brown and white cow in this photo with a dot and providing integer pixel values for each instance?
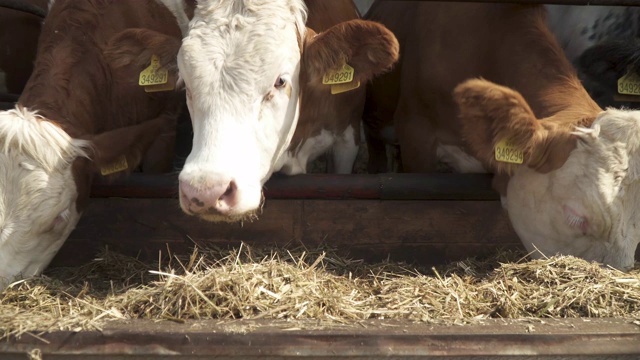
(328, 122)
(482, 84)
(83, 111)
(246, 65)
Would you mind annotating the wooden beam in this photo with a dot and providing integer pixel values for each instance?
(324, 186)
(426, 232)
(271, 339)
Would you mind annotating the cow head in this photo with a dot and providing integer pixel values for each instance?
(245, 64)
(576, 190)
(46, 174)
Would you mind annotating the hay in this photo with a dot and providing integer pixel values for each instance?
(302, 284)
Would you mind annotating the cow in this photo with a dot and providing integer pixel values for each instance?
(487, 88)
(19, 33)
(602, 43)
(247, 65)
(327, 122)
(101, 94)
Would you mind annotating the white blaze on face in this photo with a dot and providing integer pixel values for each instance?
(240, 64)
(37, 193)
(590, 207)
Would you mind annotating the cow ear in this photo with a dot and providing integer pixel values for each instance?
(610, 60)
(367, 46)
(134, 47)
(502, 131)
(121, 150)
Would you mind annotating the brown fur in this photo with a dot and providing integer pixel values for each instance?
(90, 55)
(538, 103)
(338, 25)
(350, 37)
(324, 14)
(491, 113)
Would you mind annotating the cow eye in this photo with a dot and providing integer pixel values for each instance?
(62, 218)
(280, 83)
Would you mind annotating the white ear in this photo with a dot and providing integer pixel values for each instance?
(584, 133)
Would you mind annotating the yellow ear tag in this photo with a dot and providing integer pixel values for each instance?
(508, 152)
(342, 76)
(629, 84)
(117, 166)
(162, 87)
(340, 88)
(153, 74)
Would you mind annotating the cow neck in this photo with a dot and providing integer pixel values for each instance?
(60, 88)
(539, 70)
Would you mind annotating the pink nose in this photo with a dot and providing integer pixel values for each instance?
(219, 197)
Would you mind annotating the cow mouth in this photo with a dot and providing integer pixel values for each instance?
(249, 216)
(215, 216)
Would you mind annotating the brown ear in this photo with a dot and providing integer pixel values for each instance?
(368, 47)
(132, 142)
(490, 113)
(135, 47)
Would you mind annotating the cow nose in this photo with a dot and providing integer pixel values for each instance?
(219, 197)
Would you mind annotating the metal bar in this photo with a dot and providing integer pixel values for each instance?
(24, 7)
(322, 186)
(553, 2)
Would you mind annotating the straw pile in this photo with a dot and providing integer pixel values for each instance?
(313, 284)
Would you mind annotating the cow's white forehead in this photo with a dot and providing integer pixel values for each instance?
(615, 136)
(619, 125)
(25, 132)
(28, 189)
(236, 45)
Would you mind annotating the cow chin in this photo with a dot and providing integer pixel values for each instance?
(37, 254)
(231, 218)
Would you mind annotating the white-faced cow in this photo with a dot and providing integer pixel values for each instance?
(83, 111)
(247, 65)
(487, 86)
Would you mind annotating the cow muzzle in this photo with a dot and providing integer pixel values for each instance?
(211, 196)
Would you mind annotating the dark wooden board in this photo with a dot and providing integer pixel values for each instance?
(441, 186)
(271, 339)
(557, 2)
(427, 232)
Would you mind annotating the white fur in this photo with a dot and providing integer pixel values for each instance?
(459, 160)
(295, 161)
(234, 53)
(590, 207)
(343, 146)
(38, 192)
(26, 131)
(345, 151)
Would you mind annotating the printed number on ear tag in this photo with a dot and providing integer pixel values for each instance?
(629, 84)
(117, 166)
(507, 152)
(342, 76)
(153, 74)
